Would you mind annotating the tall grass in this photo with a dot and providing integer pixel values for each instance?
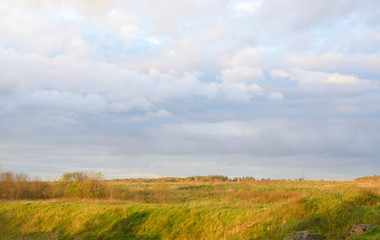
(225, 209)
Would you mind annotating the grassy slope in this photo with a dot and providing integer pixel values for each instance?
(370, 235)
(258, 210)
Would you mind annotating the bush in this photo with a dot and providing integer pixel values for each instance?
(82, 185)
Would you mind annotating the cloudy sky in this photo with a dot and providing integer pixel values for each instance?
(149, 88)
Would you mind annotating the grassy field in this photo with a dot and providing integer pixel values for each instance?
(195, 210)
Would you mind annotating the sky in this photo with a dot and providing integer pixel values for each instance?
(263, 88)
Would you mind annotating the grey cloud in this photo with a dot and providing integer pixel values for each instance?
(274, 138)
(335, 62)
(198, 85)
(63, 83)
(302, 15)
(269, 145)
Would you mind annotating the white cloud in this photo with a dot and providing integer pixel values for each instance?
(280, 73)
(65, 101)
(339, 78)
(162, 113)
(219, 129)
(241, 74)
(321, 81)
(275, 96)
(298, 15)
(333, 62)
(253, 57)
(211, 90)
(238, 83)
(250, 6)
(76, 47)
(240, 91)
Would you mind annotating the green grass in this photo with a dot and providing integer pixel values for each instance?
(252, 210)
(373, 234)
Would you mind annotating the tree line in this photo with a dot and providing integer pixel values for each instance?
(205, 179)
(15, 186)
(92, 185)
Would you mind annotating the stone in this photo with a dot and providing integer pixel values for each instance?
(359, 229)
(304, 235)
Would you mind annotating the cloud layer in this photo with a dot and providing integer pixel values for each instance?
(265, 88)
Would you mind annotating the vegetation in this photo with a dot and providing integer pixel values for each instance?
(85, 206)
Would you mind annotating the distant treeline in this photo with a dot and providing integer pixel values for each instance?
(210, 178)
(71, 185)
(89, 185)
(374, 178)
(92, 185)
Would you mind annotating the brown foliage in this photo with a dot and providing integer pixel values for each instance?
(19, 186)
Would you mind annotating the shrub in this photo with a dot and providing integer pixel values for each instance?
(82, 185)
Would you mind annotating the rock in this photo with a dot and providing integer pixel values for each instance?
(304, 235)
(359, 229)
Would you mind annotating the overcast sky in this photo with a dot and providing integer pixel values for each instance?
(149, 88)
